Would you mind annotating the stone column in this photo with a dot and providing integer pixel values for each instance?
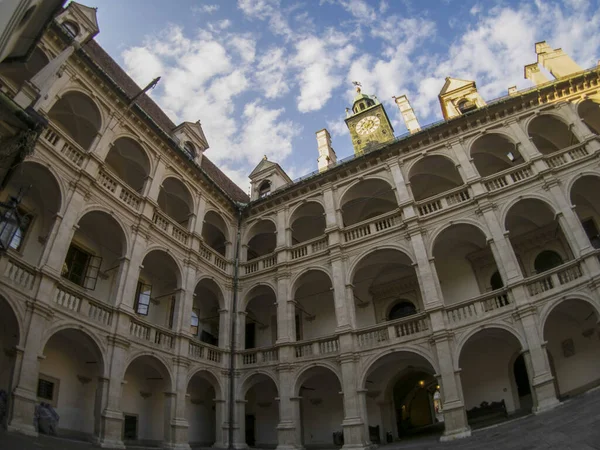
(239, 435)
(568, 111)
(139, 244)
(344, 307)
(220, 422)
(24, 395)
(330, 210)
(455, 416)
(536, 360)
(285, 309)
(106, 139)
(281, 234)
(464, 159)
(177, 422)
(200, 213)
(426, 273)
(241, 330)
(353, 423)
(289, 411)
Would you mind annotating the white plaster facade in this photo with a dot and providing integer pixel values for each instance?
(361, 291)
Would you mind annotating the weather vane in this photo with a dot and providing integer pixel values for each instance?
(358, 85)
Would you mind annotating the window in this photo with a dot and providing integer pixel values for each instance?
(81, 267)
(9, 226)
(130, 422)
(402, 309)
(142, 298)
(189, 149)
(265, 189)
(47, 389)
(195, 322)
(465, 105)
(547, 260)
(71, 28)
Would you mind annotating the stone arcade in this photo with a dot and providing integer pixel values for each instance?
(387, 294)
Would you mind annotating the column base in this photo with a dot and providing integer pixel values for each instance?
(110, 443)
(111, 425)
(288, 447)
(456, 435)
(359, 446)
(23, 410)
(455, 422)
(175, 446)
(547, 405)
(22, 428)
(544, 395)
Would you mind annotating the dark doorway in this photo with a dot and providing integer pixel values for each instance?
(523, 386)
(250, 437)
(402, 309)
(250, 335)
(130, 423)
(547, 260)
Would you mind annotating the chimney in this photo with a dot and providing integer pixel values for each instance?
(326, 153)
(533, 73)
(512, 90)
(555, 61)
(410, 120)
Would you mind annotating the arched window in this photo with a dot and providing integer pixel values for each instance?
(264, 189)
(189, 149)
(465, 105)
(71, 28)
(496, 281)
(547, 260)
(402, 309)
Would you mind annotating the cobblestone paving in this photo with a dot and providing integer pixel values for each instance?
(574, 425)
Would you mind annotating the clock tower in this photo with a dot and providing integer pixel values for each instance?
(368, 123)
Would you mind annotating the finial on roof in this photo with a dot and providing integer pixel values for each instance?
(358, 85)
(265, 158)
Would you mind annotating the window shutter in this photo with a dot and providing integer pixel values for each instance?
(92, 272)
(142, 298)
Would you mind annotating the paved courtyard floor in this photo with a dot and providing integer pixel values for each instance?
(574, 425)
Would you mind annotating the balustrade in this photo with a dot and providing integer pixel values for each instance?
(209, 255)
(81, 304)
(508, 177)
(200, 350)
(550, 280)
(443, 201)
(20, 274)
(320, 346)
(309, 248)
(476, 308)
(170, 227)
(566, 155)
(119, 189)
(372, 226)
(259, 356)
(62, 144)
(151, 333)
(257, 265)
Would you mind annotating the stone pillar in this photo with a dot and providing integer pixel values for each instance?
(426, 274)
(455, 416)
(200, 213)
(241, 330)
(577, 126)
(353, 423)
(285, 309)
(464, 159)
(344, 307)
(220, 422)
(289, 411)
(330, 210)
(281, 234)
(404, 197)
(24, 395)
(106, 139)
(536, 360)
(177, 422)
(526, 147)
(239, 435)
(131, 275)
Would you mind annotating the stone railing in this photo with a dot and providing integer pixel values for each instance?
(400, 330)
(308, 248)
(208, 254)
(260, 356)
(260, 264)
(507, 177)
(566, 155)
(83, 305)
(151, 333)
(479, 307)
(554, 278)
(443, 201)
(119, 189)
(63, 145)
(372, 226)
(170, 227)
(20, 274)
(315, 347)
(206, 352)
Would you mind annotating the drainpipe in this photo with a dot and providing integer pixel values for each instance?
(233, 323)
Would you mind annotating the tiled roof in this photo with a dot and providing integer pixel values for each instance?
(119, 76)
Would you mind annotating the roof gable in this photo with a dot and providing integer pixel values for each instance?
(262, 165)
(454, 84)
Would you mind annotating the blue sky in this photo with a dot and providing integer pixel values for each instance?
(263, 76)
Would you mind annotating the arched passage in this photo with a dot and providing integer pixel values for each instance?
(400, 397)
(41, 202)
(175, 200)
(572, 331)
(129, 162)
(587, 206)
(433, 175)
(315, 309)
(260, 328)
(532, 220)
(383, 280)
(144, 400)
(208, 312)
(307, 222)
(550, 134)
(321, 408)
(260, 412)
(487, 364)
(589, 111)
(202, 402)
(493, 153)
(69, 379)
(261, 239)
(93, 259)
(214, 232)
(78, 116)
(464, 262)
(19, 72)
(366, 199)
(9, 340)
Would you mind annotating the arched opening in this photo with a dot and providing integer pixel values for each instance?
(144, 401)
(493, 153)
(367, 199)
(207, 310)
(261, 411)
(69, 379)
(9, 340)
(175, 200)
(129, 162)
(587, 206)
(550, 134)
(93, 259)
(533, 228)
(433, 175)
(38, 209)
(214, 232)
(19, 72)
(315, 309)
(572, 331)
(157, 291)
(496, 281)
(490, 389)
(189, 149)
(522, 381)
(71, 27)
(384, 280)
(321, 408)
(264, 189)
(261, 239)
(589, 111)
(401, 387)
(78, 116)
(464, 262)
(307, 222)
(546, 260)
(465, 105)
(202, 402)
(261, 318)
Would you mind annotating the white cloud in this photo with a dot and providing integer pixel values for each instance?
(271, 73)
(337, 127)
(205, 9)
(269, 10)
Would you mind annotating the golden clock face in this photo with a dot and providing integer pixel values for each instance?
(367, 125)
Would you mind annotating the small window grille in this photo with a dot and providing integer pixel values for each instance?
(45, 390)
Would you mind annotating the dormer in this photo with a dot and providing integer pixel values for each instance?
(459, 97)
(191, 139)
(79, 22)
(266, 177)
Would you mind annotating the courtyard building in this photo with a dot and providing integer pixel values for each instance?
(434, 282)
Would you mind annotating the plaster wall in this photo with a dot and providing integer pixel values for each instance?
(321, 420)
(324, 324)
(200, 413)
(262, 404)
(457, 279)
